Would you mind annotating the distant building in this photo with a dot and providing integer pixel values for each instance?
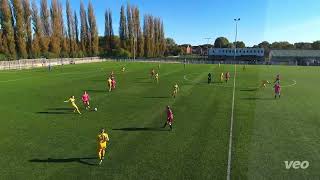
(186, 48)
(196, 50)
(295, 57)
(189, 50)
(244, 54)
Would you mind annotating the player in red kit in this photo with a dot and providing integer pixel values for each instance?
(86, 99)
(277, 90)
(169, 118)
(113, 83)
(227, 78)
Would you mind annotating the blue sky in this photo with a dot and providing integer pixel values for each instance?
(190, 21)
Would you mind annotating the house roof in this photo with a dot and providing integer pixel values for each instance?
(295, 53)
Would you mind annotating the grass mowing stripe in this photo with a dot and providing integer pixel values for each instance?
(231, 124)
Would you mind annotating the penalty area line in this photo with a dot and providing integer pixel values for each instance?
(231, 125)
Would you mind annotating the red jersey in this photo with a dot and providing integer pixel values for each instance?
(227, 75)
(277, 88)
(113, 83)
(169, 115)
(85, 97)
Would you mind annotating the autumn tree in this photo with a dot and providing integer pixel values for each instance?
(55, 43)
(64, 52)
(28, 27)
(93, 31)
(76, 27)
(45, 19)
(109, 45)
(138, 33)
(69, 26)
(20, 35)
(123, 29)
(83, 29)
(130, 24)
(8, 42)
(37, 43)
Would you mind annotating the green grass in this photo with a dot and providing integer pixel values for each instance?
(41, 139)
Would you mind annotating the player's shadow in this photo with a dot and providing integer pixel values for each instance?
(61, 109)
(54, 112)
(65, 160)
(57, 111)
(249, 90)
(140, 129)
(256, 98)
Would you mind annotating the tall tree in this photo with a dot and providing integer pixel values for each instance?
(130, 29)
(123, 29)
(147, 32)
(109, 45)
(1, 45)
(9, 47)
(28, 27)
(94, 38)
(19, 29)
(76, 27)
(138, 33)
(83, 29)
(45, 19)
(69, 26)
(162, 40)
(37, 43)
(64, 52)
(72, 30)
(55, 43)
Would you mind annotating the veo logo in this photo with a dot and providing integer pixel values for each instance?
(296, 164)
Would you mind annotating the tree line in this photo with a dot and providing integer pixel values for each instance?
(29, 31)
(134, 40)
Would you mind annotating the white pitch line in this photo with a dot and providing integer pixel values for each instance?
(231, 124)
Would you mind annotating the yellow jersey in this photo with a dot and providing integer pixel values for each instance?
(102, 140)
(72, 100)
(176, 87)
(109, 81)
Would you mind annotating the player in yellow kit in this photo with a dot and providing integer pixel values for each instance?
(221, 77)
(110, 84)
(157, 77)
(102, 139)
(175, 90)
(264, 83)
(72, 100)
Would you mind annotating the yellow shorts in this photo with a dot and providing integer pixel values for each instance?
(102, 146)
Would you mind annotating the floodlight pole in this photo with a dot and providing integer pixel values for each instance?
(235, 39)
(208, 39)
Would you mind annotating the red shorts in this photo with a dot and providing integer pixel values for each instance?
(169, 120)
(85, 102)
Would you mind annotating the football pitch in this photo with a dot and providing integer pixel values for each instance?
(41, 137)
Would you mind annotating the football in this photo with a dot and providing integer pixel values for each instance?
(95, 109)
